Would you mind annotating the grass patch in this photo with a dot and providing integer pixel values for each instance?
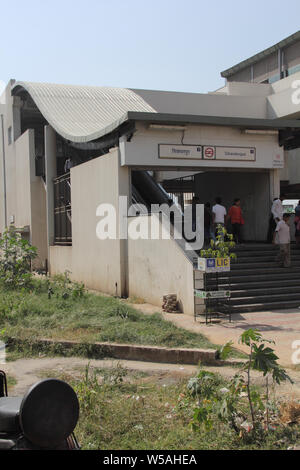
(120, 414)
(11, 381)
(87, 318)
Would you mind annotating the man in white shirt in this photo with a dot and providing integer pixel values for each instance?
(276, 216)
(282, 237)
(219, 213)
(277, 208)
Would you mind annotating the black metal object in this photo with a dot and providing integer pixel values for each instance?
(221, 307)
(215, 308)
(63, 210)
(3, 384)
(49, 413)
(44, 418)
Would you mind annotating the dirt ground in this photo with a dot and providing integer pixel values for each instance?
(29, 371)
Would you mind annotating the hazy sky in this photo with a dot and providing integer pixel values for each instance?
(180, 45)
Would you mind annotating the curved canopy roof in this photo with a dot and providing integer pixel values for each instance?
(83, 113)
(86, 113)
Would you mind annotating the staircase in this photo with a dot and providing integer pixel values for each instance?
(258, 284)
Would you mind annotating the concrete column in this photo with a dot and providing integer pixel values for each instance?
(17, 104)
(274, 184)
(284, 172)
(51, 172)
(124, 190)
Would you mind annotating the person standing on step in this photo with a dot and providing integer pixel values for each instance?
(277, 215)
(235, 216)
(219, 213)
(208, 227)
(282, 237)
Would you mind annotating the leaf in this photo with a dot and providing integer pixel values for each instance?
(264, 359)
(225, 350)
(250, 335)
(279, 375)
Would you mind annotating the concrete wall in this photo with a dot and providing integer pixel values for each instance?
(25, 192)
(30, 196)
(2, 171)
(157, 268)
(293, 167)
(205, 104)
(100, 264)
(285, 100)
(23, 154)
(60, 259)
(252, 188)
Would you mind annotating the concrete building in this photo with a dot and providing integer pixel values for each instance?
(235, 142)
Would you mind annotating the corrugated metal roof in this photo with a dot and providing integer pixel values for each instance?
(83, 113)
(254, 59)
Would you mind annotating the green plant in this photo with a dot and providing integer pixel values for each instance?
(115, 375)
(62, 286)
(262, 359)
(241, 400)
(221, 247)
(16, 256)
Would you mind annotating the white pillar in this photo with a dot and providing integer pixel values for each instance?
(274, 184)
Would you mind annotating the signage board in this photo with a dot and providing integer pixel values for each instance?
(278, 160)
(207, 152)
(219, 294)
(214, 265)
(186, 152)
(236, 153)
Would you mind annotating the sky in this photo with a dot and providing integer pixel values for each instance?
(177, 45)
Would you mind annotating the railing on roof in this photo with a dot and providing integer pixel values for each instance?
(62, 210)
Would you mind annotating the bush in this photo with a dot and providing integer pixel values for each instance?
(16, 256)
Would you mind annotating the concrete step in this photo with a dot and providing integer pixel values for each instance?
(260, 266)
(260, 247)
(239, 279)
(266, 298)
(258, 286)
(257, 282)
(241, 260)
(238, 293)
(263, 271)
(263, 307)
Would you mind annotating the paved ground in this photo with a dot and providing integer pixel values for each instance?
(281, 326)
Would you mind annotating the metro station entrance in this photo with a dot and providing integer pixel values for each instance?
(252, 187)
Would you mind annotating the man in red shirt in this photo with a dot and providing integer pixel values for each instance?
(236, 218)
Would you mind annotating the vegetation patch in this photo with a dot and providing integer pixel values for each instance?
(34, 307)
(122, 411)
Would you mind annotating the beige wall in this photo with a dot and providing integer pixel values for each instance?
(23, 151)
(25, 192)
(157, 268)
(30, 208)
(61, 259)
(101, 265)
